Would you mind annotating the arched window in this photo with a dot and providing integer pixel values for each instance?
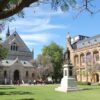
(14, 47)
(76, 59)
(89, 58)
(26, 73)
(82, 58)
(95, 56)
(5, 74)
(32, 75)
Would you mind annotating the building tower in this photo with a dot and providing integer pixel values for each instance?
(33, 53)
(8, 33)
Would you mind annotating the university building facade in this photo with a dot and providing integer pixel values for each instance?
(85, 56)
(16, 66)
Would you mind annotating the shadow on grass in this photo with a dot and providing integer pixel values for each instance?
(88, 89)
(7, 87)
(16, 93)
(26, 99)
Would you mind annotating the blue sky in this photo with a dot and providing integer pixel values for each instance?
(42, 25)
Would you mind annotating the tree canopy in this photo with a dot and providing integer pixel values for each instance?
(55, 54)
(9, 8)
(44, 67)
(3, 52)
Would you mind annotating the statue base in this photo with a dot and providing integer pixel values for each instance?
(68, 83)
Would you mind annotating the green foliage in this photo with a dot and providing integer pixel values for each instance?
(43, 60)
(3, 52)
(44, 68)
(13, 1)
(64, 7)
(55, 53)
(83, 83)
(63, 4)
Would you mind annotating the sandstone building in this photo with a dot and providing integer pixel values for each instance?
(85, 56)
(17, 65)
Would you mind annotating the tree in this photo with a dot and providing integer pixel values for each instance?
(44, 67)
(55, 53)
(3, 51)
(9, 8)
(92, 66)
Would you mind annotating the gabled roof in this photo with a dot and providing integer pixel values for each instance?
(8, 63)
(17, 39)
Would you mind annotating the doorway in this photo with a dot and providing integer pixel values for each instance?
(96, 77)
(16, 75)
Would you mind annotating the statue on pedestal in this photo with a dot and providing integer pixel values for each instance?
(67, 57)
(68, 82)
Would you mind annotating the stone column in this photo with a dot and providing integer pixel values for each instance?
(85, 66)
(79, 65)
(99, 76)
(99, 55)
(92, 57)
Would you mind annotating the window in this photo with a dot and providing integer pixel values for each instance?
(6, 61)
(88, 58)
(82, 58)
(5, 74)
(26, 73)
(14, 34)
(77, 72)
(76, 60)
(14, 47)
(24, 62)
(32, 74)
(96, 56)
(95, 40)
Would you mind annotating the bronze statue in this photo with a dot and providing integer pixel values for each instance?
(67, 56)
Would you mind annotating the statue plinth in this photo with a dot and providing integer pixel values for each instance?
(68, 82)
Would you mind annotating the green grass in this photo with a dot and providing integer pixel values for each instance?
(47, 93)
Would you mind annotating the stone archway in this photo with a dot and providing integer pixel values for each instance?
(96, 77)
(16, 75)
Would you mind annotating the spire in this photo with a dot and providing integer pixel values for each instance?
(33, 53)
(8, 32)
(68, 37)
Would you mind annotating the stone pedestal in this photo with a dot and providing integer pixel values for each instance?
(68, 82)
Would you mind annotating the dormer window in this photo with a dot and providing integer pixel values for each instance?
(24, 62)
(95, 40)
(14, 47)
(82, 43)
(6, 61)
(14, 34)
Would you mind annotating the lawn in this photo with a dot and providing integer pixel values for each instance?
(47, 93)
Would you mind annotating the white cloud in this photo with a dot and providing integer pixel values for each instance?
(36, 19)
(34, 25)
(42, 37)
(38, 39)
(27, 22)
(31, 43)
